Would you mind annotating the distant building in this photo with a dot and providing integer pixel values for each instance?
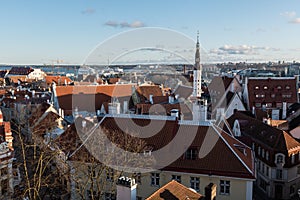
(6, 154)
(273, 94)
(26, 73)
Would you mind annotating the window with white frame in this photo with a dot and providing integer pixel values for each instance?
(176, 178)
(195, 183)
(155, 179)
(224, 187)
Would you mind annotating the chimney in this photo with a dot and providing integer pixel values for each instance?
(171, 99)
(151, 98)
(284, 108)
(253, 110)
(125, 107)
(126, 188)
(175, 113)
(210, 191)
(114, 107)
(1, 116)
(203, 110)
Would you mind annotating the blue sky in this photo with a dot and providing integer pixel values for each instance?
(36, 31)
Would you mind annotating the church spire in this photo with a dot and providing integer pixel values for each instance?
(197, 54)
(197, 71)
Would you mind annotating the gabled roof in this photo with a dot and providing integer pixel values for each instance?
(91, 97)
(60, 80)
(220, 84)
(183, 91)
(219, 153)
(270, 137)
(118, 90)
(20, 71)
(145, 91)
(174, 190)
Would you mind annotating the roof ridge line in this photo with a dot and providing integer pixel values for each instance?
(238, 157)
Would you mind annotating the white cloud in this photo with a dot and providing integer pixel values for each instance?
(88, 11)
(240, 50)
(135, 24)
(289, 14)
(111, 23)
(295, 21)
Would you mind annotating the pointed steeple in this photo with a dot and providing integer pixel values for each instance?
(197, 54)
(197, 71)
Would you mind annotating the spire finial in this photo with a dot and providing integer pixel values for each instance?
(198, 36)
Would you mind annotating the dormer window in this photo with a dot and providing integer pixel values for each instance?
(265, 87)
(256, 87)
(280, 159)
(279, 87)
(191, 154)
(236, 129)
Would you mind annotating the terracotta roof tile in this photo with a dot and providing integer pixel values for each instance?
(234, 164)
(60, 80)
(144, 92)
(174, 190)
(90, 98)
(266, 135)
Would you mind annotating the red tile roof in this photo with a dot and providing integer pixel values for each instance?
(174, 190)
(60, 80)
(144, 92)
(266, 136)
(213, 162)
(91, 98)
(118, 90)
